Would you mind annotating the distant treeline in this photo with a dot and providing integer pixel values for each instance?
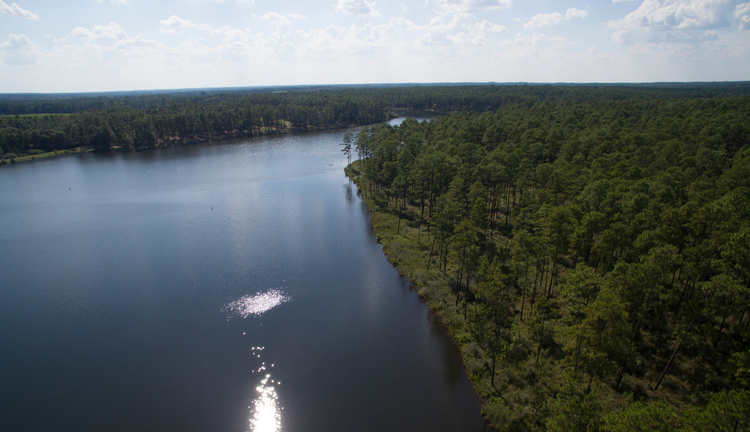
(148, 120)
(590, 255)
(182, 119)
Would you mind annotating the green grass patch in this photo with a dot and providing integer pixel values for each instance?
(30, 157)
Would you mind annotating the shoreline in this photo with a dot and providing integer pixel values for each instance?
(407, 247)
(181, 142)
(175, 143)
(32, 157)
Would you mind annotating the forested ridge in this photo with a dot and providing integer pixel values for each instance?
(591, 256)
(35, 124)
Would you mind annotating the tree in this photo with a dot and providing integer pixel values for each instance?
(489, 321)
(572, 410)
(726, 412)
(640, 416)
(541, 313)
(603, 335)
(346, 147)
(521, 255)
(464, 247)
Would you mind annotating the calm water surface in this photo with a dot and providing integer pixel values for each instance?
(220, 287)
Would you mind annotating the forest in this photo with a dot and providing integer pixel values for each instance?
(36, 124)
(591, 256)
(181, 120)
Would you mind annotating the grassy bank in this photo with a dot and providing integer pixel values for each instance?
(407, 246)
(31, 157)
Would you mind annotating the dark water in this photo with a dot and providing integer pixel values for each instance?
(116, 270)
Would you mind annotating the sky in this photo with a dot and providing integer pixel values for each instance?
(51, 46)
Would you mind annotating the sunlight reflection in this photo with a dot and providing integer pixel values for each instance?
(263, 364)
(257, 304)
(266, 412)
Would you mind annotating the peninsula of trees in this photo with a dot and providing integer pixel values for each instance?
(591, 256)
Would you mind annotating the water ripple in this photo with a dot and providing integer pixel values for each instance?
(257, 304)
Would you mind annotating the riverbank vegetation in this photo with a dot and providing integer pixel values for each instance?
(591, 256)
(39, 123)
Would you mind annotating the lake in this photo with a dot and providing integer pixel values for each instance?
(228, 286)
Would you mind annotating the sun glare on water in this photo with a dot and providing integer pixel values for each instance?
(257, 304)
(266, 413)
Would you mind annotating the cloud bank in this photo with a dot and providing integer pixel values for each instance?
(16, 11)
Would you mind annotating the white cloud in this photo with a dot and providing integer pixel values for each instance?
(709, 35)
(596, 53)
(404, 8)
(575, 13)
(137, 42)
(276, 19)
(16, 42)
(488, 27)
(112, 31)
(227, 32)
(176, 21)
(52, 40)
(16, 11)
(297, 16)
(742, 12)
(539, 39)
(286, 47)
(541, 20)
(357, 7)
(19, 50)
(452, 6)
(655, 19)
(121, 2)
(530, 50)
(334, 42)
(681, 36)
(463, 29)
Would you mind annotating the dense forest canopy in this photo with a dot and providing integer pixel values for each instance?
(591, 255)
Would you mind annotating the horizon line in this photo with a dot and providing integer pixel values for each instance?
(260, 88)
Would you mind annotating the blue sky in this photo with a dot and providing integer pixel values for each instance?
(107, 45)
